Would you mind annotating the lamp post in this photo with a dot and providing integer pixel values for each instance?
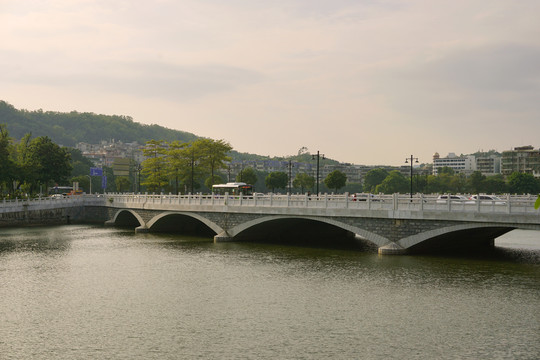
(318, 156)
(290, 180)
(138, 168)
(412, 159)
(89, 177)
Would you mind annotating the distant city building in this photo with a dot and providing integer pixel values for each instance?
(107, 152)
(464, 164)
(489, 165)
(523, 159)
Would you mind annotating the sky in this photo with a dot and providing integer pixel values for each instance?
(361, 81)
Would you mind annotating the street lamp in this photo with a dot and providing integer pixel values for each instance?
(406, 162)
(89, 177)
(290, 179)
(138, 168)
(318, 157)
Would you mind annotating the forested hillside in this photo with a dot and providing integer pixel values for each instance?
(68, 129)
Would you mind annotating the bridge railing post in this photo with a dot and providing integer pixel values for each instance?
(395, 200)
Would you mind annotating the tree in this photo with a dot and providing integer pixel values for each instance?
(213, 180)
(335, 180)
(476, 182)
(48, 161)
(247, 175)
(520, 183)
(6, 163)
(445, 170)
(122, 183)
(303, 181)
(373, 178)
(494, 185)
(154, 166)
(214, 157)
(276, 179)
(395, 182)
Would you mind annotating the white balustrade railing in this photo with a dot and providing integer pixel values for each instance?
(507, 204)
(523, 204)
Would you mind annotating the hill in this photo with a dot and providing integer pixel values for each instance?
(68, 129)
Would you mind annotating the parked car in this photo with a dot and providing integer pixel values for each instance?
(488, 199)
(364, 197)
(443, 199)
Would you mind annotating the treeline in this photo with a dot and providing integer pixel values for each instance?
(382, 181)
(71, 128)
(31, 164)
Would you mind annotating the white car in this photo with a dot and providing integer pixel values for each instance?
(489, 199)
(364, 197)
(443, 199)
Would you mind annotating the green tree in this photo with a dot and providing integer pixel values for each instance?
(335, 180)
(520, 183)
(494, 185)
(395, 182)
(247, 175)
(445, 170)
(122, 183)
(373, 178)
(303, 181)
(6, 163)
(476, 182)
(48, 161)
(154, 167)
(276, 179)
(213, 180)
(214, 156)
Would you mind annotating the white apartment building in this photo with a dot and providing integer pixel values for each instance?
(464, 164)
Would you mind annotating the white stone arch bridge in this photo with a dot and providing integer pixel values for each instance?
(394, 224)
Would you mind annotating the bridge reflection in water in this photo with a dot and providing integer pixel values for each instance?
(394, 224)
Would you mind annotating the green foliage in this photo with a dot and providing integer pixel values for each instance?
(476, 181)
(445, 170)
(154, 167)
(520, 183)
(247, 175)
(335, 180)
(395, 182)
(373, 178)
(303, 181)
(537, 203)
(276, 179)
(73, 127)
(122, 183)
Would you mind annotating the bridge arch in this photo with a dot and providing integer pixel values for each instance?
(455, 236)
(156, 220)
(127, 217)
(237, 231)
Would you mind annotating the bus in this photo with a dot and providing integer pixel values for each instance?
(233, 188)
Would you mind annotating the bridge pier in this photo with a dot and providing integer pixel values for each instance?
(222, 237)
(141, 229)
(392, 249)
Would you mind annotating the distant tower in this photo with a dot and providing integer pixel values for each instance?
(436, 156)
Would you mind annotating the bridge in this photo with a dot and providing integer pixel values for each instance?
(395, 224)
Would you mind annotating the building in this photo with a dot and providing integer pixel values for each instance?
(464, 164)
(489, 165)
(523, 159)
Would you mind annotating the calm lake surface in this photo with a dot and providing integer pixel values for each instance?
(89, 292)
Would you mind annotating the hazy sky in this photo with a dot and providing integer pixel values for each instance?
(362, 81)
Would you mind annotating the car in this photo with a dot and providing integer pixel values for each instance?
(364, 197)
(443, 199)
(57, 196)
(488, 199)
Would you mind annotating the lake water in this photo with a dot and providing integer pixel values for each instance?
(89, 292)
